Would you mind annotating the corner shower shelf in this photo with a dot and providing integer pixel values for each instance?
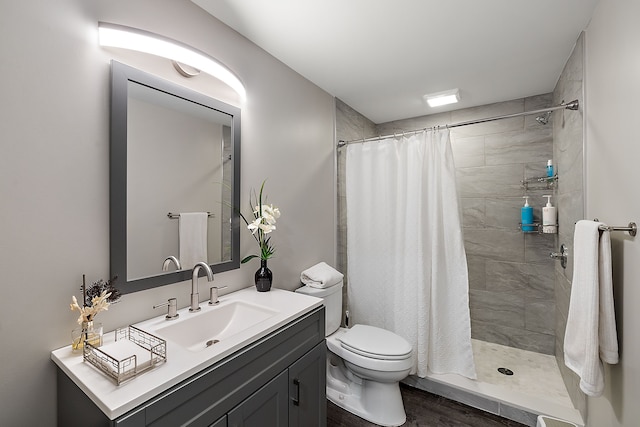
(539, 183)
(537, 228)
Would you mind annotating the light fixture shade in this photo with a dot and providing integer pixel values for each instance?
(124, 37)
(439, 99)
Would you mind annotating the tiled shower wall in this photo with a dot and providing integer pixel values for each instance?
(511, 276)
(568, 153)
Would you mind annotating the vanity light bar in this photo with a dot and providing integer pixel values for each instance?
(120, 36)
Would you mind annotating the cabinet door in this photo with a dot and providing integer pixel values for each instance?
(267, 407)
(307, 389)
(222, 422)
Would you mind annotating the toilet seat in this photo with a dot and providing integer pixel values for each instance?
(335, 346)
(376, 343)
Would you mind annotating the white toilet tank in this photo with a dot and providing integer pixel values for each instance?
(332, 299)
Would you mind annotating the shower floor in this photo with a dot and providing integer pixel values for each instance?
(536, 386)
(534, 374)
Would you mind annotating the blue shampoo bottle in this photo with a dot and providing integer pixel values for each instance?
(550, 170)
(526, 215)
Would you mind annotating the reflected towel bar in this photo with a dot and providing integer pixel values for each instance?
(176, 216)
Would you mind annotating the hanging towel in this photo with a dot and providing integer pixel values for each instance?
(590, 336)
(321, 275)
(193, 238)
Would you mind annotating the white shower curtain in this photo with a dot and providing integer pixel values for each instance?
(407, 269)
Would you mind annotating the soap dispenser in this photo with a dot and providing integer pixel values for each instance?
(526, 215)
(549, 217)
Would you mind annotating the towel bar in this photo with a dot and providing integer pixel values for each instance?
(176, 216)
(632, 228)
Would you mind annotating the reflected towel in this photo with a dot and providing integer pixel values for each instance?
(193, 238)
(590, 336)
(321, 275)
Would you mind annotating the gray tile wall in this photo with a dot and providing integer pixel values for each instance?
(568, 153)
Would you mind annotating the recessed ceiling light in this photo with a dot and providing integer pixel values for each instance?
(439, 99)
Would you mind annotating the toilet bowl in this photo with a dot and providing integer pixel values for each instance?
(364, 364)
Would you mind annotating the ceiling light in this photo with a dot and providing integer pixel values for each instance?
(120, 36)
(439, 99)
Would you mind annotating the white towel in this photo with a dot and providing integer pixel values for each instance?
(590, 337)
(193, 238)
(321, 275)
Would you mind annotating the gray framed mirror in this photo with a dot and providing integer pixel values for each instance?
(173, 151)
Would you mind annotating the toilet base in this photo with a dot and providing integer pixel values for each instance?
(379, 403)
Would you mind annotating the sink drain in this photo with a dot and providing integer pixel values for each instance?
(212, 342)
(505, 371)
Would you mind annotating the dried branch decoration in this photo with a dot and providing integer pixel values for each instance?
(96, 298)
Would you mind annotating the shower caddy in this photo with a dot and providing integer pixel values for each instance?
(537, 183)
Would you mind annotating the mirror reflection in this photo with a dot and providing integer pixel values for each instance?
(177, 149)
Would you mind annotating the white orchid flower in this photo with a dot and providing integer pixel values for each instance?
(267, 228)
(255, 225)
(265, 216)
(270, 213)
(272, 210)
(269, 219)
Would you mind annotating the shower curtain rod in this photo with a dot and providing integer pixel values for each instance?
(573, 105)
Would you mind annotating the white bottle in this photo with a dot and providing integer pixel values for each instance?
(549, 217)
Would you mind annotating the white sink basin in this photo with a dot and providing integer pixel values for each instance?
(199, 331)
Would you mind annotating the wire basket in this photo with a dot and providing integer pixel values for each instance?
(133, 352)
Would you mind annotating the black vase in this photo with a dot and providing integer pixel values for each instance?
(263, 277)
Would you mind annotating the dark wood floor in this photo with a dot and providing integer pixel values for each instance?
(425, 410)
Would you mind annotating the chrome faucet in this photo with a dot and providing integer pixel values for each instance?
(168, 261)
(195, 298)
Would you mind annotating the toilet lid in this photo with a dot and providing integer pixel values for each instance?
(376, 343)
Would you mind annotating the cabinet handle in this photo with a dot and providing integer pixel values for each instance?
(296, 400)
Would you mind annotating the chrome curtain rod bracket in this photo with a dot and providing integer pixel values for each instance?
(573, 105)
(176, 216)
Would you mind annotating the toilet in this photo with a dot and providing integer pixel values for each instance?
(364, 364)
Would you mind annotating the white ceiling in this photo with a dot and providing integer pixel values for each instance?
(381, 56)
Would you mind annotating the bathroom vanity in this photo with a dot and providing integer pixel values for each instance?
(269, 374)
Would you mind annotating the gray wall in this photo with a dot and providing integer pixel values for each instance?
(612, 85)
(569, 156)
(511, 275)
(54, 172)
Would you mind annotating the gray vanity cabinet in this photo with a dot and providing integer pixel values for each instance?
(267, 407)
(307, 389)
(294, 398)
(222, 422)
(277, 381)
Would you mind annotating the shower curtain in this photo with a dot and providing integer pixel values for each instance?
(407, 269)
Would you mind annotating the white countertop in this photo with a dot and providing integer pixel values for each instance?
(181, 363)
